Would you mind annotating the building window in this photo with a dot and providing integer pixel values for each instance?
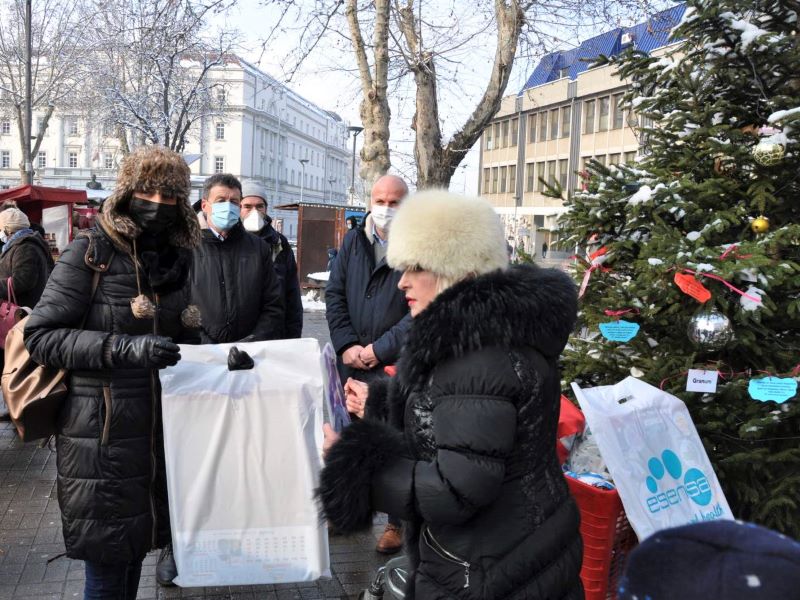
(619, 115)
(219, 164)
(551, 172)
(5, 159)
(486, 175)
(72, 160)
(566, 115)
(512, 179)
(563, 170)
(498, 142)
(543, 127)
(601, 159)
(5, 126)
(588, 116)
(220, 95)
(293, 155)
(602, 119)
(494, 179)
(514, 131)
(540, 177)
(41, 159)
(613, 159)
(108, 160)
(529, 177)
(72, 125)
(503, 178)
(504, 143)
(220, 131)
(630, 157)
(554, 124)
(40, 126)
(532, 128)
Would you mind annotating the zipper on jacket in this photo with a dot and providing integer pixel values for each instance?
(434, 545)
(153, 460)
(107, 419)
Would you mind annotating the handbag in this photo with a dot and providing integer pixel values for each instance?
(9, 313)
(34, 392)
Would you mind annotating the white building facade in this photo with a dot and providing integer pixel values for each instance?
(267, 132)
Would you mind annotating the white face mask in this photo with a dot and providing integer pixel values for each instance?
(254, 221)
(3, 237)
(382, 216)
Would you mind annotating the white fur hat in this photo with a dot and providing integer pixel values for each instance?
(452, 236)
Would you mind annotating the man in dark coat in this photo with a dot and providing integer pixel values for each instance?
(112, 487)
(233, 280)
(367, 313)
(255, 219)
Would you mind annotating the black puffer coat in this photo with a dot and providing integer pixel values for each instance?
(286, 269)
(110, 452)
(28, 262)
(364, 305)
(236, 287)
(474, 473)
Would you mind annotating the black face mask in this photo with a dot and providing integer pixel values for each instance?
(153, 217)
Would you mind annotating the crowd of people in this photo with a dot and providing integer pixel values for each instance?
(458, 447)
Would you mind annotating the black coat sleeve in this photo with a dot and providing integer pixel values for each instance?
(271, 319)
(343, 335)
(387, 347)
(52, 334)
(294, 301)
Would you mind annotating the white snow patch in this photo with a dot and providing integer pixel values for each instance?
(751, 429)
(753, 581)
(750, 305)
(693, 236)
(310, 303)
(655, 261)
(703, 267)
(749, 31)
(782, 114)
(636, 372)
(320, 276)
(643, 194)
(651, 342)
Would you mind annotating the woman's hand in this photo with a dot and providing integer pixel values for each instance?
(355, 396)
(331, 437)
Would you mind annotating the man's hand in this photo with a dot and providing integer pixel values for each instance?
(355, 396)
(351, 358)
(368, 357)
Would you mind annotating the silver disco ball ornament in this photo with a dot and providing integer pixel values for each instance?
(768, 153)
(710, 330)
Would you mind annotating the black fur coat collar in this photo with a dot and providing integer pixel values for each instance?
(521, 306)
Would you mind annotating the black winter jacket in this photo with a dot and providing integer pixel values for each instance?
(235, 285)
(474, 473)
(28, 262)
(286, 269)
(364, 305)
(111, 477)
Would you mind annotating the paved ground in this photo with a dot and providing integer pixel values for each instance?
(30, 534)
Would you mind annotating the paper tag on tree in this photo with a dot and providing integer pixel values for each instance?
(692, 287)
(702, 381)
(772, 388)
(619, 331)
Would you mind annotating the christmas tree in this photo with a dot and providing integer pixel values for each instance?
(698, 243)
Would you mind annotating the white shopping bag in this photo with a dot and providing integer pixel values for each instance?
(654, 454)
(243, 454)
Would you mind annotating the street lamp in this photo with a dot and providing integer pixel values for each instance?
(331, 181)
(303, 162)
(355, 130)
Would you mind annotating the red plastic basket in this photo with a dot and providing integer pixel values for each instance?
(607, 538)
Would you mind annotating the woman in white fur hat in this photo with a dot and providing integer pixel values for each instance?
(461, 443)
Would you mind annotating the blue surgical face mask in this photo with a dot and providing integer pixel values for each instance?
(224, 215)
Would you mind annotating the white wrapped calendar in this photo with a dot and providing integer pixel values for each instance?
(243, 455)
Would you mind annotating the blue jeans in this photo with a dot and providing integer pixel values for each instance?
(111, 582)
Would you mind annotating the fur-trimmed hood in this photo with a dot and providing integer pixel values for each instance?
(523, 306)
(150, 169)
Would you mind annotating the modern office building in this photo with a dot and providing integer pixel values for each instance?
(567, 113)
(266, 132)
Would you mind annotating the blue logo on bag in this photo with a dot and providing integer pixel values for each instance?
(666, 494)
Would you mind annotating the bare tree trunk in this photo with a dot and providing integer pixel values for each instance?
(374, 109)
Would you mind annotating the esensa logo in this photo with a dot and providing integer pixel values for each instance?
(671, 491)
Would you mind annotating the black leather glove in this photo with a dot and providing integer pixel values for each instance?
(141, 351)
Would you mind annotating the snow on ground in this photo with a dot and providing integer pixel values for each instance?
(311, 303)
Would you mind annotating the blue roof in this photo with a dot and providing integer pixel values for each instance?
(653, 33)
